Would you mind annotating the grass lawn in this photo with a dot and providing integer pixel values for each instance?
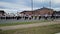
(50, 29)
(18, 23)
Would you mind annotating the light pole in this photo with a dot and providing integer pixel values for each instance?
(50, 4)
(31, 4)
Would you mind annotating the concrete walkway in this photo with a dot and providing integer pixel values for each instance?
(28, 25)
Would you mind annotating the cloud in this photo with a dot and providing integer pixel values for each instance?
(20, 5)
(14, 6)
(55, 1)
(9, 10)
(44, 1)
(11, 7)
(40, 1)
(56, 9)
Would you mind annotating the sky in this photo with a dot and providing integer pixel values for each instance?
(14, 6)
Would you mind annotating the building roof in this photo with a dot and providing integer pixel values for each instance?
(39, 9)
(44, 8)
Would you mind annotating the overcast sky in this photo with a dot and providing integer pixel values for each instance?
(13, 6)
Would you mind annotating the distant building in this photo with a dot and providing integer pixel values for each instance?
(57, 13)
(42, 11)
(2, 13)
(27, 13)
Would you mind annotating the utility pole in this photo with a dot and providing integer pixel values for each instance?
(50, 4)
(43, 3)
(31, 4)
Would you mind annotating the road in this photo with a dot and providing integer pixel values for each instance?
(28, 25)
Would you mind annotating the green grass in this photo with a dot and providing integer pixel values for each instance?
(18, 23)
(50, 29)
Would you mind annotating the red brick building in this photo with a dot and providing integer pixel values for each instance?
(37, 12)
